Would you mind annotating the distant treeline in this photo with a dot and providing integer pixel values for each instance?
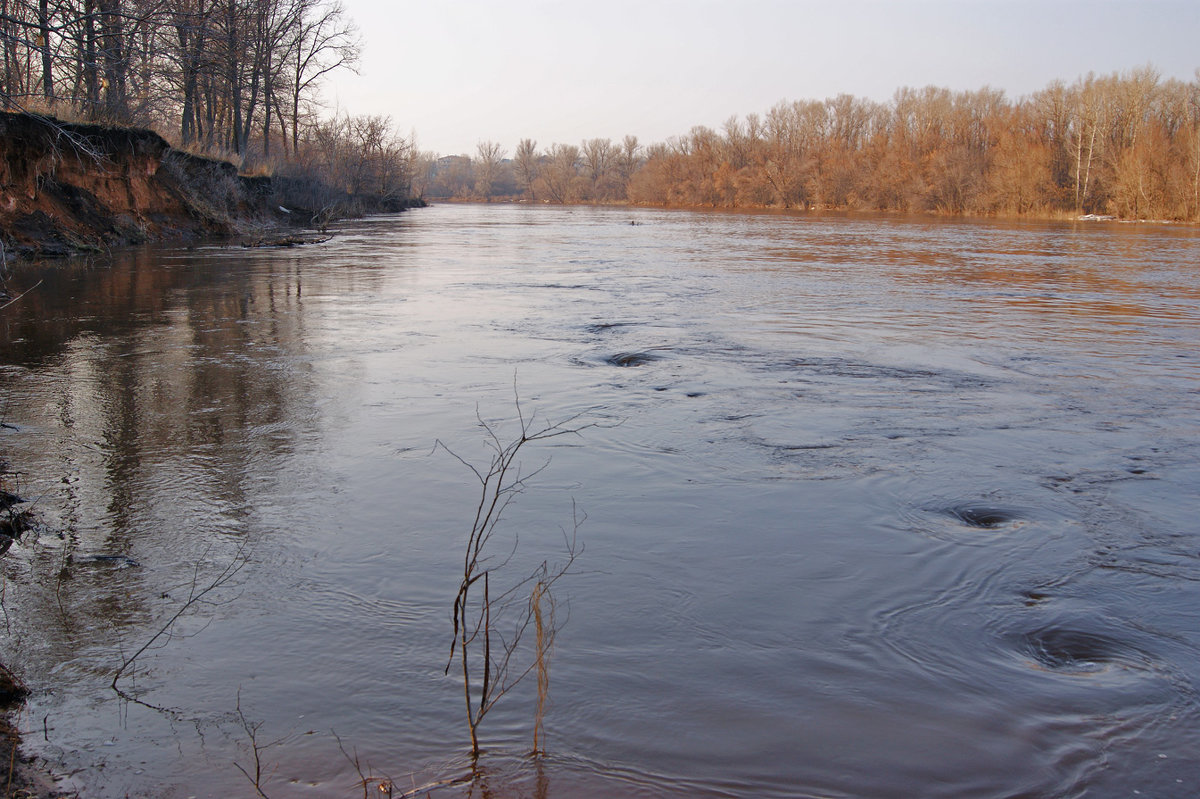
(234, 78)
(1126, 145)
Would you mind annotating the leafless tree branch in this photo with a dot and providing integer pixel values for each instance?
(489, 626)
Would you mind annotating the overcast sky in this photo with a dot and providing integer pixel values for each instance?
(456, 72)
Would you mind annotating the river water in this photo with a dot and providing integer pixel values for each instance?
(875, 507)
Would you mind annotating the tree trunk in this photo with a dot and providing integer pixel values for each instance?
(44, 45)
(1087, 175)
(267, 121)
(91, 76)
(234, 77)
(6, 37)
(187, 129)
(116, 100)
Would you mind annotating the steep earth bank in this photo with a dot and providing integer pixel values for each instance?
(68, 188)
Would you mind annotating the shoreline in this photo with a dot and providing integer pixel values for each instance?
(775, 210)
(25, 776)
(70, 189)
(75, 188)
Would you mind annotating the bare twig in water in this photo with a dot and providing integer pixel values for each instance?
(258, 777)
(486, 657)
(541, 602)
(366, 780)
(12, 300)
(198, 593)
(387, 786)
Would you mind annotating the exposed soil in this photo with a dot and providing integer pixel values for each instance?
(66, 188)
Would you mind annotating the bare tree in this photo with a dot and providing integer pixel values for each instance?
(325, 40)
(1088, 119)
(421, 172)
(560, 175)
(1191, 142)
(526, 162)
(487, 167)
(629, 159)
(599, 162)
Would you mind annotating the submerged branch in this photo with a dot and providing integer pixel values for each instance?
(197, 594)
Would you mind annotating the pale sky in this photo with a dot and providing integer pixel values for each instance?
(456, 72)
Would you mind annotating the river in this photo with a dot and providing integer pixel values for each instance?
(868, 507)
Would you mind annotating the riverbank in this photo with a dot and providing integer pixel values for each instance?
(23, 779)
(22, 776)
(68, 188)
(71, 188)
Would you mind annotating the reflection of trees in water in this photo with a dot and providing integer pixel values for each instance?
(153, 401)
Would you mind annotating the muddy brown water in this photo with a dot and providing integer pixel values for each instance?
(894, 507)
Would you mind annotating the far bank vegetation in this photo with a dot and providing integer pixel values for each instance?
(1126, 145)
(241, 79)
(234, 79)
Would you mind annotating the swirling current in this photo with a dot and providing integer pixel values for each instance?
(869, 506)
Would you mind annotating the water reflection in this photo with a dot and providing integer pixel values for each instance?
(896, 508)
(164, 398)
